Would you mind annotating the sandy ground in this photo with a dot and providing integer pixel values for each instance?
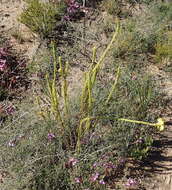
(11, 27)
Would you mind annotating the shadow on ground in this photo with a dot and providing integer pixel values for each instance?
(160, 158)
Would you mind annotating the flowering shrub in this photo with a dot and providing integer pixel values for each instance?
(74, 10)
(13, 73)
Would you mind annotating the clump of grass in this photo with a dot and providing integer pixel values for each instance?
(121, 8)
(84, 141)
(164, 48)
(142, 37)
(41, 17)
(113, 7)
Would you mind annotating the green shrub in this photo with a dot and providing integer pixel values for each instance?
(116, 8)
(41, 17)
(78, 142)
(131, 43)
(113, 7)
(139, 35)
(164, 10)
(164, 48)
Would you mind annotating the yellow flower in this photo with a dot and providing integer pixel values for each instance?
(160, 124)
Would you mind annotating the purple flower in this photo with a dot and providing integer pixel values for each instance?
(102, 182)
(72, 161)
(51, 136)
(131, 183)
(78, 179)
(73, 8)
(10, 110)
(2, 52)
(66, 17)
(96, 164)
(109, 165)
(3, 65)
(122, 161)
(104, 157)
(94, 177)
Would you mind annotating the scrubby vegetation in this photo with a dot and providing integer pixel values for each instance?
(60, 138)
(13, 72)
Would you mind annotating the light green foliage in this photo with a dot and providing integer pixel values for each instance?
(113, 7)
(134, 39)
(123, 8)
(164, 48)
(42, 17)
(146, 34)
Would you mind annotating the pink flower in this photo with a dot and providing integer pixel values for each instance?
(78, 179)
(131, 183)
(51, 136)
(10, 110)
(72, 161)
(94, 177)
(3, 65)
(66, 17)
(96, 164)
(102, 182)
(2, 52)
(109, 165)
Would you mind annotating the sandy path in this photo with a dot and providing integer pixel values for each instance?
(159, 164)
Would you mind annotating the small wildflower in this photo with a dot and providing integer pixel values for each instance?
(160, 124)
(78, 179)
(96, 164)
(84, 10)
(94, 177)
(122, 161)
(3, 65)
(134, 77)
(104, 157)
(102, 182)
(10, 110)
(109, 165)
(131, 183)
(11, 143)
(139, 141)
(66, 18)
(51, 136)
(2, 52)
(72, 161)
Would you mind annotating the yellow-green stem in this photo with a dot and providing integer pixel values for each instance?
(114, 85)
